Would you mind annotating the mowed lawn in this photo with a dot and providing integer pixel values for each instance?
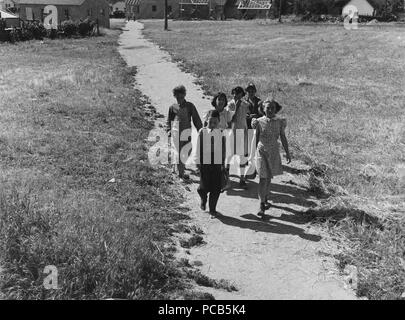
(76, 187)
(343, 91)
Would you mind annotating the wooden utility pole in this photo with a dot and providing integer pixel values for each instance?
(165, 13)
(279, 11)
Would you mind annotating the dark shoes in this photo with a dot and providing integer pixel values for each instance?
(262, 210)
(267, 205)
(203, 205)
(213, 214)
(242, 184)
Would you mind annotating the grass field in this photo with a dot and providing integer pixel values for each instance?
(76, 189)
(342, 91)
(344, 99)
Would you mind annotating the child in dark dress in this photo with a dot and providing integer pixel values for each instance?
(210, 158)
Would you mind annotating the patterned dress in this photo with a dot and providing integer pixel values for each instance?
(268, 159)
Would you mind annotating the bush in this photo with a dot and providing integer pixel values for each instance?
(85, 27)
(52, 34)
(14, 36)
(4, 36)
(36, 30)
(69, 28)
(2, 24)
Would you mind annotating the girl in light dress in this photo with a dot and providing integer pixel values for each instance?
(269, 129)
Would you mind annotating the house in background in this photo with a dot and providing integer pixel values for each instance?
(8, 5)
(118, 6)
(151, 9)
(96, 10)
(189, 9)
(363, 6)
(10, 19)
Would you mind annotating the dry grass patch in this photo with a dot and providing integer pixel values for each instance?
(76, 187)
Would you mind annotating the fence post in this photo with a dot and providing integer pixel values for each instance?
(165, 13)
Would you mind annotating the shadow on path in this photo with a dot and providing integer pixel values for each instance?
(280, 193)
(266, 226)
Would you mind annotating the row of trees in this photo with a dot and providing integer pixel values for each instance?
(383, 7)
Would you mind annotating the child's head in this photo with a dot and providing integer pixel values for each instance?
(238, 93)
(213, 119)
(219, 101)
(271, 107)
(179, 92)
(251, 90)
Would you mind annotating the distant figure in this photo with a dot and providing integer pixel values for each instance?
(179, 120)
(269, 129)
(240, 109)
(210, 160)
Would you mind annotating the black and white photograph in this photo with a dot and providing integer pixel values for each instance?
(202, 155)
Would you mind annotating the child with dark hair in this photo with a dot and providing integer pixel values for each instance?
(254, 104)
(179, 120)
(210, 158)
(219, 102)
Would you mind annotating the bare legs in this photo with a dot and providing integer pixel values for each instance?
(242, 178)
(264, 190)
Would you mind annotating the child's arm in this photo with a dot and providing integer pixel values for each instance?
(231, 109)
(169, 121)
(255, 141)
(196, 118)
(205, 119)
(223, 151)
(197, 158)
(284, 141)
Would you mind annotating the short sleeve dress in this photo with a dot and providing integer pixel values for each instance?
(268, 159)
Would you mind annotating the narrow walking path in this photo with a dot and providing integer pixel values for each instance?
(273, 259)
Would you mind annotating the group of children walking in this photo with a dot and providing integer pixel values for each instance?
(244, 130)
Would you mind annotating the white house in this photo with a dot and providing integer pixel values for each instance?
(364, 8)
(118, 6)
